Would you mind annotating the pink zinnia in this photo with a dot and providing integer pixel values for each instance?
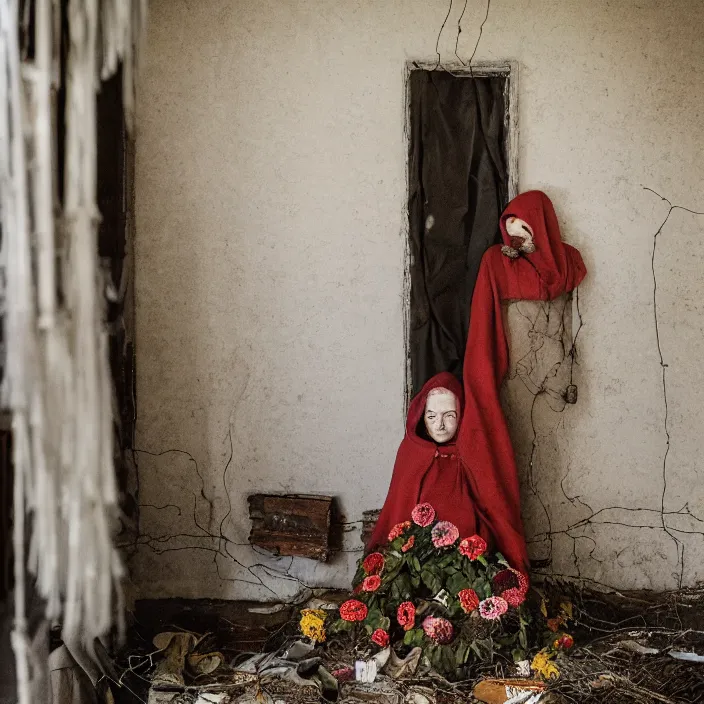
(423, 515)
(371, 583)
(513, 597)
(439, 630)
(473, 547)
(492, 608)
(444, 534)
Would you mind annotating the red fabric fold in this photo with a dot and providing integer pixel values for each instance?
(427, 472)
(483, 440)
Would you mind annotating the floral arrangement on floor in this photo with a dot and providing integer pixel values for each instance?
(431, 588)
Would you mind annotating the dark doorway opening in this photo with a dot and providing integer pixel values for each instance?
(461, 174)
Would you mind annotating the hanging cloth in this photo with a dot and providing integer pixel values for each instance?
(533, 265)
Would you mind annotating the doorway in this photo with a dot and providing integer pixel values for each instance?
(461, 128)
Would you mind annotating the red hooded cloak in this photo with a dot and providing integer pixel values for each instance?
(483, 440)
(432, 473)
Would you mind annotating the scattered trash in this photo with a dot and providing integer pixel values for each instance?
(495, 691)
(267, 610)
(400, 668)
(523, 668)
(634, 647)
(687, 657)
(365, 671)
(420, 695)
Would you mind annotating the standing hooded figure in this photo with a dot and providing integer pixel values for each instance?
(428, 467)
(533, 264)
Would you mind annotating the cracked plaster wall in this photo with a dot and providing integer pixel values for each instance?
(270, 188)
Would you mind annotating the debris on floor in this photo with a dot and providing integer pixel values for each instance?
(628, 648)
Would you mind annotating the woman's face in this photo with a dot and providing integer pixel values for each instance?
(441, 415)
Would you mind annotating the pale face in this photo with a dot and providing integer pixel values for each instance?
(521, 234)
(441, 411)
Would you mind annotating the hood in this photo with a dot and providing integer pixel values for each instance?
(558, 265)
(443, 380)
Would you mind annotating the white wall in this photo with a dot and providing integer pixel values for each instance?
(270, 210)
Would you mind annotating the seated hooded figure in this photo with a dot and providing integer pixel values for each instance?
(428, 468)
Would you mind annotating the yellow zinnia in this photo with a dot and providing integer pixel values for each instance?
(313, 624)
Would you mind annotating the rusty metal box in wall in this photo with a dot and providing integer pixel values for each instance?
(292, 524)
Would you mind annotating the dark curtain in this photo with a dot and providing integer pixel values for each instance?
(458, 188)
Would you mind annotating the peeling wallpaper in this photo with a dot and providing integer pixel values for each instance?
(270, 188)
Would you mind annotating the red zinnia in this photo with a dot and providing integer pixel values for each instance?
(473, 547)
(408, 544)
(566, 642)
(469, 601)
(510, 579)
(380, 637)
(371, 583)
(373, 563)
(398, 530)
(353, 610)
(406, 615)
(423, 515)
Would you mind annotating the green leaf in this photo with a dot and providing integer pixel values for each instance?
(523, 638)
(456, 583)
(385, 623)
(461, 654)
(368, 629)
(518, 654)
(501, 559)
(415, 562)
(431, 580)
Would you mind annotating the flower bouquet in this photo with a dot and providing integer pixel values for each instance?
(428, 588)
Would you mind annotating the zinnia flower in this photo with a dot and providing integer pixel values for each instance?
(469, 600)
(373, 563)
(380, 637)
(406, 615)
(444, 534)
(423, 515)
(409, 544)
(371, 583)
(492, 608)
(473, 547)
(312, 624)
(353, 610)
(543, 665)
(510, 579)
(439, 630)
(513, 597)
(398, 530)
(566, 642)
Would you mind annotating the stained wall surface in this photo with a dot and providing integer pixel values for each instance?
(270, 187)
